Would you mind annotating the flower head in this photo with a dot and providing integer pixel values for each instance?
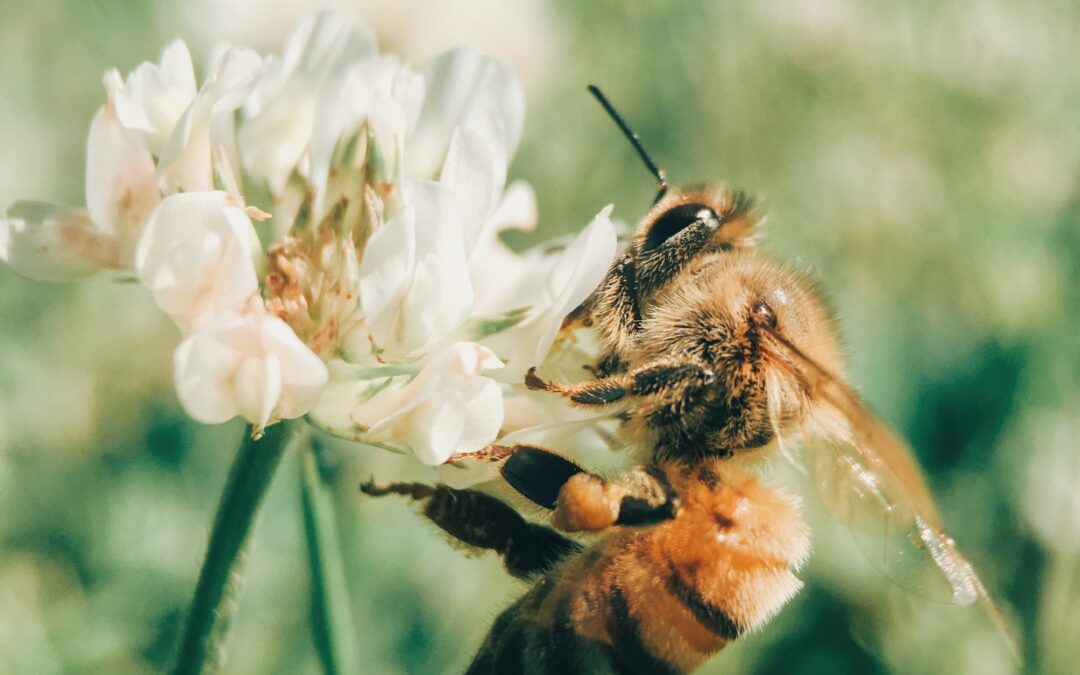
(378, 300)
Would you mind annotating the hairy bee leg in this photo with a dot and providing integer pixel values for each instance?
(538, 474)
(615, 307)
(584, 501)
(480, 520)
(607, 365)
(669, 384)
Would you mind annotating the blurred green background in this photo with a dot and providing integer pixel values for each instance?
(922, 157)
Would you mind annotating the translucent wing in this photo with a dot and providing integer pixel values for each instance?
(870, 480)
(894, 537)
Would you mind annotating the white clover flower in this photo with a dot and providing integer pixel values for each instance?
(496, 271)
(197, 255)
(120, 187)
(448, 407)
(249, 364)
(465, 89)
(388, 187)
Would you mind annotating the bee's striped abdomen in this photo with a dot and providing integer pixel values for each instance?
(658, 599)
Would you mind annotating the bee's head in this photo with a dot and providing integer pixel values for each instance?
(689, 223)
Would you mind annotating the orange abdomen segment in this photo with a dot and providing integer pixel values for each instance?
(659, 599)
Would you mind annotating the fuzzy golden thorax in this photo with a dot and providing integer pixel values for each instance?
(693, 296)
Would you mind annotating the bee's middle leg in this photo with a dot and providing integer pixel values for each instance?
(482, 521)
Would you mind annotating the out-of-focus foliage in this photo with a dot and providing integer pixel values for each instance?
(923, 158)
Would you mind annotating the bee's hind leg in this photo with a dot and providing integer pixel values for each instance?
(583, 501)
(484, 522)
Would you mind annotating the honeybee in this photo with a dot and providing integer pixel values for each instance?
(714, 356)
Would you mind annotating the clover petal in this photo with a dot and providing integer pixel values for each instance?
(249, 364)
(196, 254)
(54, 243)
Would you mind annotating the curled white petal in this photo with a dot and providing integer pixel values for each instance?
(154, 96)
(197, 255)
(185, 163)
(464, 418)
(120, 186)
(414, 278)
(54, 243)
(465, 88)
(577, 273)
(449, 407)
(574, 275)
(251, 365)
(281, 109)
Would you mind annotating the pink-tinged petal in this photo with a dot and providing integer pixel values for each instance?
(197, 255)
(54, 243)
(465, 88)
(249, 364)
(120, 186)
(465, 358)
(257, 387)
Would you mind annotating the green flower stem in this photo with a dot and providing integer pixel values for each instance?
(203, 648)
(331, 615)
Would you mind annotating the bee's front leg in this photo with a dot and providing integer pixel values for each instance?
(668, 385)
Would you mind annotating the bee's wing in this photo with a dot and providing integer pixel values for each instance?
(870, 480)
(892, 534)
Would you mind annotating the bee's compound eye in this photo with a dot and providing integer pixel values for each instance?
(674, 221)
(762, 314)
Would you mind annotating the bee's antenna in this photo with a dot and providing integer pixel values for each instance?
(661, 177)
